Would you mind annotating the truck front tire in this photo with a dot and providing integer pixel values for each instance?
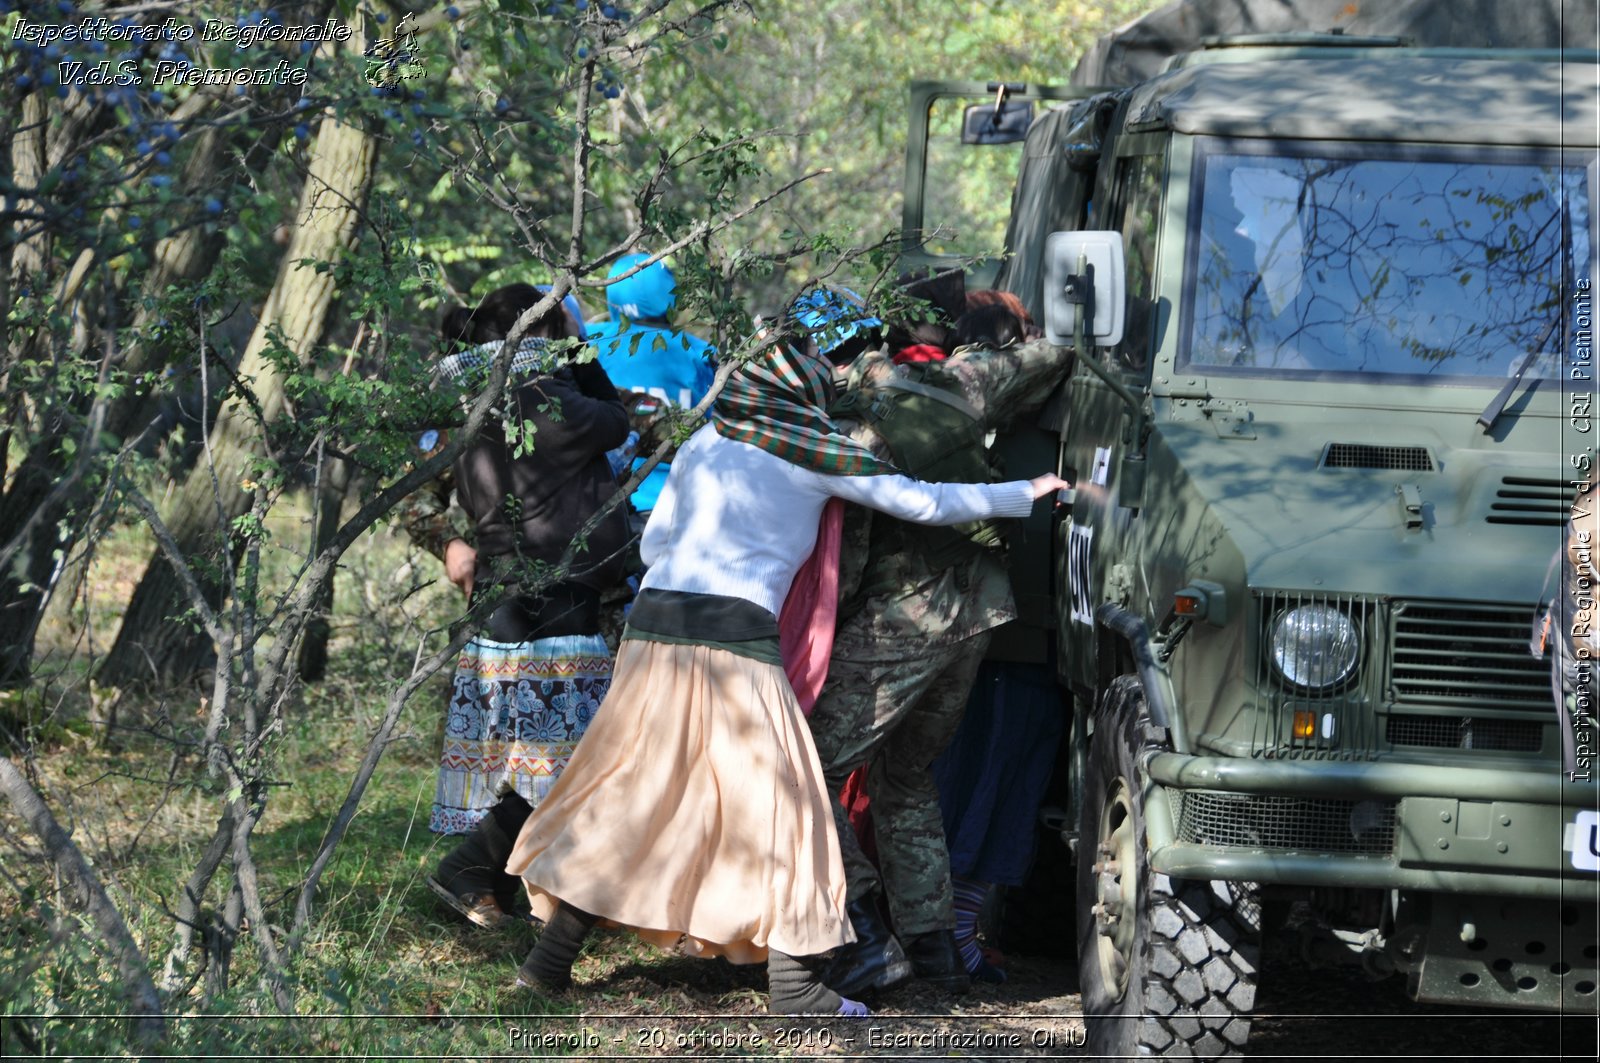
(1166, 966)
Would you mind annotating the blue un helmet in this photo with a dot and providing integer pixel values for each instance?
(648, 294)
(837, 321)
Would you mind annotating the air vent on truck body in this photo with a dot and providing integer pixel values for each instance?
(1368, 456)
(1531, 500)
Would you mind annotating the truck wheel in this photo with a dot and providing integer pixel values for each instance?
(1167, 967)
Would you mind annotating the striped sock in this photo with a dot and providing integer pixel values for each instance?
(969, 895)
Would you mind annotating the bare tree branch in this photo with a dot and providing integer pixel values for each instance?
(190, 900)
(180, 564)
(149, 1020)
(420, 673)
(246, 813)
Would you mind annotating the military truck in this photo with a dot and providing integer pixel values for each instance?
(1331, 294)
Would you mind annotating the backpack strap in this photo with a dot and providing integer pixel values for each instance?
(949, 398)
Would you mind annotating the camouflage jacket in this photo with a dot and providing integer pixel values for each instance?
(432, 517)
(935, 608)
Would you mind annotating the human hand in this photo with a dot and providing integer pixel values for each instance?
(646, 414)
(460, 564)
(1045, 484)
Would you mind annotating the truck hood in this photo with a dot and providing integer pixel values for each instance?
(1322, 506)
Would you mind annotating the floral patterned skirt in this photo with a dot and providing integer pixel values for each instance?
(517, 710)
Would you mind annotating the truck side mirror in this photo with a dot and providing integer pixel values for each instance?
(1005, 122)
(1085, 272)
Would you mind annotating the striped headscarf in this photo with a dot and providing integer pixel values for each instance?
(777, 401)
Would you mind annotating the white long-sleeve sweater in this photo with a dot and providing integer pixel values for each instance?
(738, 521)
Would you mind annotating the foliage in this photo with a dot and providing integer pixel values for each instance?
(829, 76)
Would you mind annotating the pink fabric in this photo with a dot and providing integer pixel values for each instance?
(806, 623)
(805, 638)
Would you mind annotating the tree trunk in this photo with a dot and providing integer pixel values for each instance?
(42, 511)
(22, 583)
(152, 643)
(28, 154)
(329, 502)
(20, 597)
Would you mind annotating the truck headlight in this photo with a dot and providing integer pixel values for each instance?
(1314, 646)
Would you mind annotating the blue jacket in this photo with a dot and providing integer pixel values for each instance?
(675, 367)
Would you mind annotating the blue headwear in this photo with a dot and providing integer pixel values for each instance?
(832, 315)
(650, 293)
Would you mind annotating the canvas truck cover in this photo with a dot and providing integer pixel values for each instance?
(1141, 49)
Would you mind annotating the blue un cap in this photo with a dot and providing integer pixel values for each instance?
(650, 293)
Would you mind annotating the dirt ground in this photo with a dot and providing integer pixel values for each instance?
(1301, 1014)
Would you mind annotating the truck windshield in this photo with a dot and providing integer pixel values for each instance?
(1436, 267)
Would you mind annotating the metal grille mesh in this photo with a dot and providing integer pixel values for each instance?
(1363, 828)
(1466, 732)
(1467, 654)
(1367, 456)
(1530, 500)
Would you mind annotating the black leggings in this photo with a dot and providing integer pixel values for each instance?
(560, 609)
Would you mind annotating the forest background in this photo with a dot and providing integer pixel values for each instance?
(220, 308)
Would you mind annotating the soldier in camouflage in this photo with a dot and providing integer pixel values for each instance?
(915, 622)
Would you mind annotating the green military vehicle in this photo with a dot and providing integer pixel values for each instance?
(1332, 298)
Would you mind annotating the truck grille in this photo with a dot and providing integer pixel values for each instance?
(1460, 654)
(1361, 828)
(1465, 732)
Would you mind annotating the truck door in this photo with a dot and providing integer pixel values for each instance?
(963, 148)
(1101, 541)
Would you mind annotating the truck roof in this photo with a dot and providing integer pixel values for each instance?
(1428, 96)
(1142, 48)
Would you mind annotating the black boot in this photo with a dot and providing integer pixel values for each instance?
(549, 965)
(875, 962)
(471, 878)
(936, 958)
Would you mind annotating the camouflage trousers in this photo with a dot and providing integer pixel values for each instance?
(895, 711)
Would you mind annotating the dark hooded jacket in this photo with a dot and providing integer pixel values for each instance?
(529, 497)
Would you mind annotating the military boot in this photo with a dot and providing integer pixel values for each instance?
(472, 878)
(936, 958)
(874, 962)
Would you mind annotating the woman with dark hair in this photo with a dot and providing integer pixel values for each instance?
(526, 687)
(695, 812)
(993, 326)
